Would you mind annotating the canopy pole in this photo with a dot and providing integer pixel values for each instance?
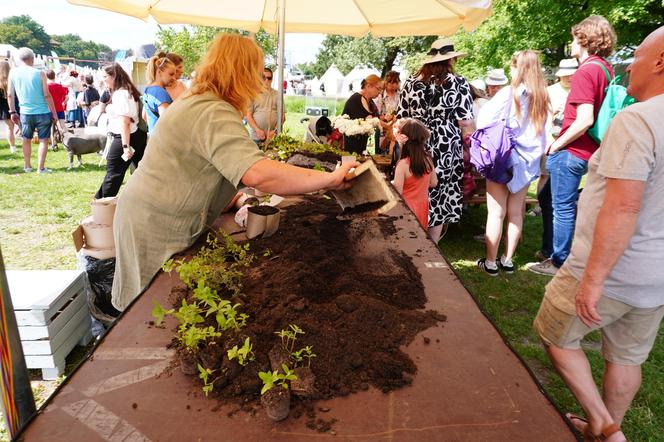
(280, 63)
(18, 404)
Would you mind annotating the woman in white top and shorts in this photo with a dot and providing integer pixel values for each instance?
(128, 140)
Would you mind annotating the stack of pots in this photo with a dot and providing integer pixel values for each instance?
(98, 229)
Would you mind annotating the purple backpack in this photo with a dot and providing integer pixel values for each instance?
(490, 149)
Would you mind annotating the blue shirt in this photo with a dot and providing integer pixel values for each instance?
(28, 88)
(154, 96)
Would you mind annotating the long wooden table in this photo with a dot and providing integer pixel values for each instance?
(469, 384)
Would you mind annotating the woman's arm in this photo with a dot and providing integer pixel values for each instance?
(125, 134)
(274, 177)
(162, 108)
(433, 179)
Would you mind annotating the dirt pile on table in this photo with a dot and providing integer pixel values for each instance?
(357, 304)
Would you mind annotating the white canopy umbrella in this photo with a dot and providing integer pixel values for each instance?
(345, 17)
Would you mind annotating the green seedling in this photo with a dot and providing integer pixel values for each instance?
(204, 374)
(267, 253)
(318, 166)
(243, 354)
(193, 336)
(189, 314)
(168, 266)
(305, 352)
(272, 378)
(158, 313)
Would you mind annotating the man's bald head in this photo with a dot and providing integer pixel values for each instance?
(646, 78)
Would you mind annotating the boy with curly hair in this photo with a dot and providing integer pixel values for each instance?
(568, 155)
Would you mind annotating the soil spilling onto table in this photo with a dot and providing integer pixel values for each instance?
(357, 303)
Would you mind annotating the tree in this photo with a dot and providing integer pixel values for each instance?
(23, 31)
(191, 42)
(71, 45)
(379, 53)
(545, 25)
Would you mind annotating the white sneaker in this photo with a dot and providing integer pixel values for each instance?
(12, 149)
(44, 170)
(27, 169)
(545, 267)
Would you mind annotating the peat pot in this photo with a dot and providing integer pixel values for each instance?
(276, 402)
(262, 220)
(103, 210)
(188, 364)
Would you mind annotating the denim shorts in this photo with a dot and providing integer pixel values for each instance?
(41, 122)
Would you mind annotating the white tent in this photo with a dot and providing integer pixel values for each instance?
(333, 80)
(355, 78)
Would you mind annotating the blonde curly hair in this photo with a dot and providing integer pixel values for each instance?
(596, 35)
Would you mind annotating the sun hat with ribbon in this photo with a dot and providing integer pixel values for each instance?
(442, 49)
(567, 67)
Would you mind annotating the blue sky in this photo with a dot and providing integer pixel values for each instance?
(120, 31)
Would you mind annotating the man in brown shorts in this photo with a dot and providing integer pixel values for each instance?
(613, 278)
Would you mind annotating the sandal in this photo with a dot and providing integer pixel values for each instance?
(588, 436)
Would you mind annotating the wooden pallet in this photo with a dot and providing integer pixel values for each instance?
(52, 316)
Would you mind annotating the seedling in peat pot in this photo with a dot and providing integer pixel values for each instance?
(305, 352)
(288, 337)
(272, 378)
(243, 354)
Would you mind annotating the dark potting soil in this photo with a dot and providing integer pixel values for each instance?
(327, 157)
(356, 307)
(263, 210)
(363, 208)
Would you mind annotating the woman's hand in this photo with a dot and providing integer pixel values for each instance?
(339, 180)
(401, 138)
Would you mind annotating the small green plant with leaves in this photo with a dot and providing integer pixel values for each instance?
(243, 354)
(275, 378)
(300, 355)
(289, 336)
(204, 374)
(158, 312)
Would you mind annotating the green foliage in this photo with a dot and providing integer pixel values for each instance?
(193, 336)
(158, 312)
(23, 31)
(71, 45)
(218, 265)
(272, 378)
(191, 42)
(243, 354)
(289, 336)
(286, 146)
(305, 352)
(512, 27)
(204, 374)
(379, 53)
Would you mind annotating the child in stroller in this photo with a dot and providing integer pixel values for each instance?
(320, 130)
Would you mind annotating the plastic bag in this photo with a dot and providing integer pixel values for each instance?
(98, 286)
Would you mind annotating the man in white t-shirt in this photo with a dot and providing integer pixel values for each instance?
(613, 279)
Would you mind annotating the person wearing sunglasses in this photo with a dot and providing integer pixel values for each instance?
(262, 112)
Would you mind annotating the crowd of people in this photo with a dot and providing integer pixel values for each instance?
(600, 251)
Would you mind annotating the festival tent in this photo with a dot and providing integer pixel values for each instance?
(352, 82)
(332, 80)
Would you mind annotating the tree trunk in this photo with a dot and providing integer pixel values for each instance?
(389, 60)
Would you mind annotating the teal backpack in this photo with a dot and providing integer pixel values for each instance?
(615, 100)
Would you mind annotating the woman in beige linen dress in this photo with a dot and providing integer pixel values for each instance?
(194, 162)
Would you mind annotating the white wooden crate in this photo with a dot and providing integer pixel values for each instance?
(52, 316)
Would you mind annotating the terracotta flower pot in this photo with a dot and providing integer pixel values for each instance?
(103, 210)
(262, 220)
(276, 402)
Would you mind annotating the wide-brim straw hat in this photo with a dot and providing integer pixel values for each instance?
(442, 49)
(567, 67)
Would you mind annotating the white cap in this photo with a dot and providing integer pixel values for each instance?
(567, 67)
(496, 77)
(478, 83)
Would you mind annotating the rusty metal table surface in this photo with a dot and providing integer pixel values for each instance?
(469, 384)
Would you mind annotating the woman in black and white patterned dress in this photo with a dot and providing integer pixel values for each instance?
(443, 102)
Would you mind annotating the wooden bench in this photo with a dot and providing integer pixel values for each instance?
(480, 194)
(52, 316)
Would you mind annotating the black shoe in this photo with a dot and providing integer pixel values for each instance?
(481, 263)
(507, 269)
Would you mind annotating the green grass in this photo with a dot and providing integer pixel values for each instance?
(511, 301)
(39, 212)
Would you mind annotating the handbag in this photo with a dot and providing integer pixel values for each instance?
(491, 147)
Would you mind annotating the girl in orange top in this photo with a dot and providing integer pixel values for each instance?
(414, 174)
